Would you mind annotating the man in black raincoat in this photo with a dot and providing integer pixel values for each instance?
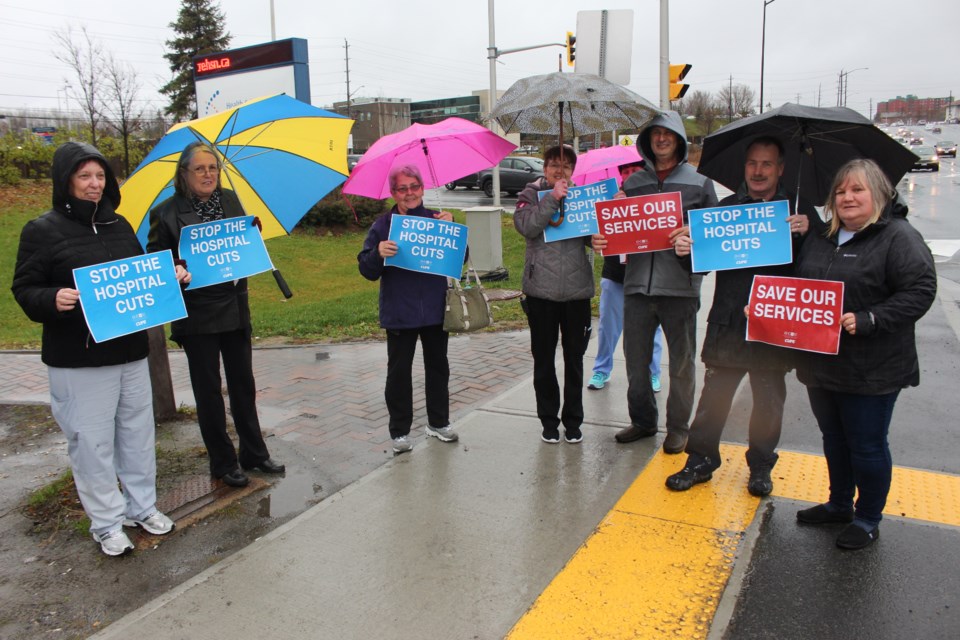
(726, 353)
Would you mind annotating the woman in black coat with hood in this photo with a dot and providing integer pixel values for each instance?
(100, 392)
(889, 284)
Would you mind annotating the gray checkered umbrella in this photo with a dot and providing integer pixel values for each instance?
(579, 103)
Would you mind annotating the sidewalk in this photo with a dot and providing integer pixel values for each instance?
(502, 535)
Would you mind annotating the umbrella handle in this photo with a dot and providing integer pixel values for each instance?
(284, 289)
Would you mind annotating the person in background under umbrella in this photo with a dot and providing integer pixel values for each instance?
(558, 284)
(611, 311)
(217, 325)
(100, 393)
(659, 290)
(411, 307)
(889, 282)
(726, 352)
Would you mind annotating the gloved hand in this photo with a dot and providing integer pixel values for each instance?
(257, 223)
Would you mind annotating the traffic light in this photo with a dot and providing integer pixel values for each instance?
(677, 73)
(571, 46)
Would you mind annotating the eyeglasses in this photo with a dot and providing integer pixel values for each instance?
(412, 188)
(564, 166)
(199, 171)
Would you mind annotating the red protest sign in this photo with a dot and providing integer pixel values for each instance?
(639, 224)
(796, 313)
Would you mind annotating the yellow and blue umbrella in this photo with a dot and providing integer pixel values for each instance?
(281, 156)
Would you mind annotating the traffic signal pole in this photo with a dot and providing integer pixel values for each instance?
(665, 54)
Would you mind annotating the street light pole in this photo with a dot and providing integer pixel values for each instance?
(492, 97)
(763, 48)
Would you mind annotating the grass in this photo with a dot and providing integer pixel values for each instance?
(331, 301)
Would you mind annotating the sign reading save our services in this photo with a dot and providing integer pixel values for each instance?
(223, 250)
(740, 236)
(578, 216)
(428, 245)
(639, 224)
(129, 295)
(796, 313)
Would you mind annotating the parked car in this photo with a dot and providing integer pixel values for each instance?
(947, 148)
(469, 181)
(926, 158)
(516, 173)
(352, 160)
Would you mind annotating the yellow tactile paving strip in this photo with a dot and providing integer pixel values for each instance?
(658, 563)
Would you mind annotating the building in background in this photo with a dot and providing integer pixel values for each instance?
(374, 118)
(911, 109)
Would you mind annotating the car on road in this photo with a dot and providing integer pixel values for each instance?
(947, 148)
(516, 172)
(926, 158)
(352, 160)
(469, 181)
(916, 140)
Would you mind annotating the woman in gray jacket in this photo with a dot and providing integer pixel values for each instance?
(558, 284)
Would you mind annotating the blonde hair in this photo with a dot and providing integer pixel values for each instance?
(876, 181)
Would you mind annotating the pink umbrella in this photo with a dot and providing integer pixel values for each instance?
(443, 152)
(600, 164)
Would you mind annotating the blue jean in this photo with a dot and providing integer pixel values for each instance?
(611, 326)
(855, 429)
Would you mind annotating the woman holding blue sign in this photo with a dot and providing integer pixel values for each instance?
(100, 393)
(411, 307)
(889, 284)
(217, 325)
(558, 284)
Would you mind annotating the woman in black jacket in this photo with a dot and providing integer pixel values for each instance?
(217, 323)
(100, 392)
(889, 283)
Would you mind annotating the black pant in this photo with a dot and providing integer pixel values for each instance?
(766, 418)
(203, 357)
(549, 320)
(401, 347)
(677, 315)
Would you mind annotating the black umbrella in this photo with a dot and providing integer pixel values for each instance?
(817, 141)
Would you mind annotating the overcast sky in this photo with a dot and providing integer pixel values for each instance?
(424, 49)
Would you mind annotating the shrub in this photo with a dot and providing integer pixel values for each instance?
(337, 210)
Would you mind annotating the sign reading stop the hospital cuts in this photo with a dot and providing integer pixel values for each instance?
(428, 245)
(223, 250)
(740, 236)
(796, 313)
(578, 217)
(639, 224)
(129, 295)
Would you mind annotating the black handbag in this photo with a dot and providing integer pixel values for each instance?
(468, 308)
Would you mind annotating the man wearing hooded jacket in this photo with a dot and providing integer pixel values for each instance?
(659, 289)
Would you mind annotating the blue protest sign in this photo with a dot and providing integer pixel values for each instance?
(579, 216)
(428, 245)
(223, 250)
(740, 236)
(129, 295)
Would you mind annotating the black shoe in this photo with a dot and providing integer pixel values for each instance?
(821, 515)
(267, 466)
(635, 432)
(698, 469)
(550, 435)
(235, 478)
(855, 537)
(572, 435)
(675, 442)
(760, 484)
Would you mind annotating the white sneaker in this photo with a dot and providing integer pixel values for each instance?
(445, 434)
(114, 543)
(402, 444)
(155, 523)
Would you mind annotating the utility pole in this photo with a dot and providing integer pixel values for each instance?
(730, 101)
(346, 48)
(665, 54)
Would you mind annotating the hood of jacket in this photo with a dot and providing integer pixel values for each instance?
(65, 161)
(669, 120)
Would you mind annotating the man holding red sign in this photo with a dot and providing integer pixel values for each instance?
(659, 289)
(726, 353)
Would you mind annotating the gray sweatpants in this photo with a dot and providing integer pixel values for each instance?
(106, 414)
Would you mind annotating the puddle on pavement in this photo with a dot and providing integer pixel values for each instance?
(293, 493)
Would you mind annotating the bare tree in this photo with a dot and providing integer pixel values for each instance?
(698, 103)
(85, 59)
(738, 100)
(122, 86)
